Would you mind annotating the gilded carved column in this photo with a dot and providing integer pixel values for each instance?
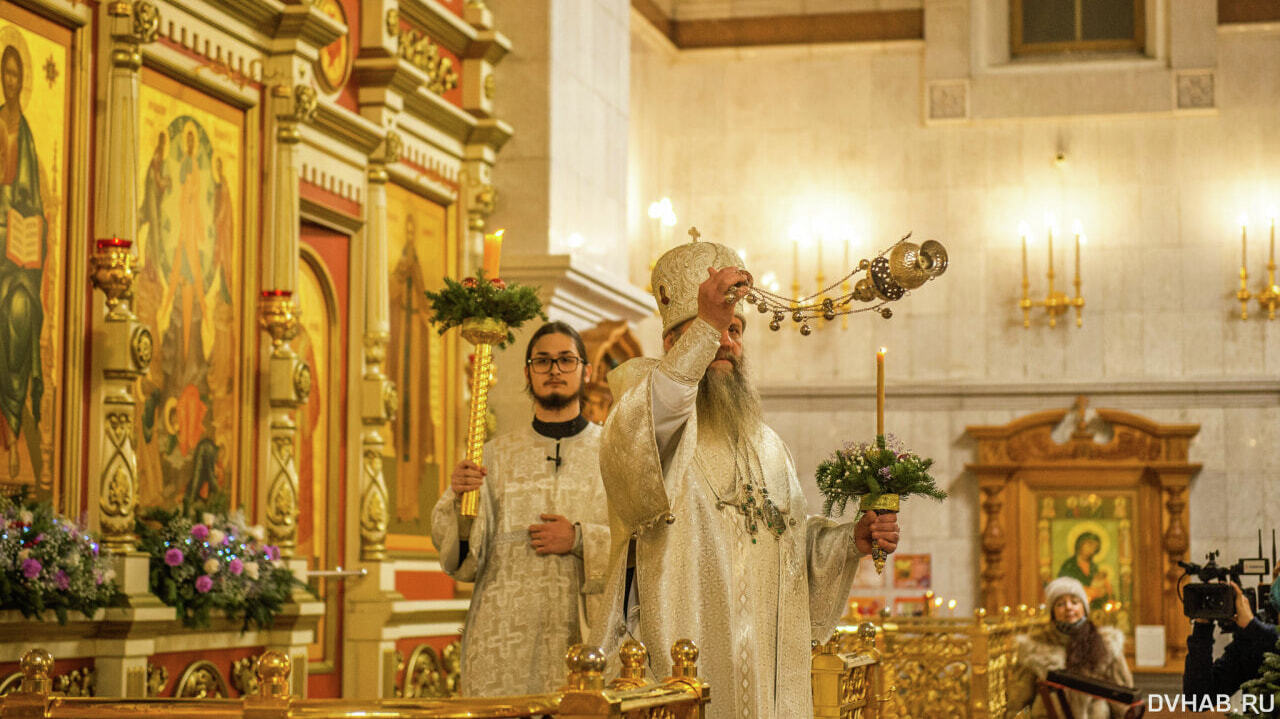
(289, 378)
(124, 344)
(378, 394)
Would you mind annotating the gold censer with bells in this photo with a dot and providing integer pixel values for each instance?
(889, 276)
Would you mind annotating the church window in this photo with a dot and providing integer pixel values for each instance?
(1058, 26)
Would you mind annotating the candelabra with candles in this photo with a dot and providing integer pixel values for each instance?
(1269, 296)
(1055, 302)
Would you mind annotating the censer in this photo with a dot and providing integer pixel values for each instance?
(888, 276)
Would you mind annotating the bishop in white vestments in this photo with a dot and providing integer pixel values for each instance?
(711, 539)
(539, 547)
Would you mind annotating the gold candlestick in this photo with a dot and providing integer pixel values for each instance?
(844, 286)
(1243, 294)
(484, 333)
(1269, 298)
(1025, 302)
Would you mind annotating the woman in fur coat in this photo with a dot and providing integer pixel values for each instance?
(1071, 642)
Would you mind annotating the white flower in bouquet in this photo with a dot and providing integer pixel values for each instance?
(73, 559)
(251, 570)
(26, 517)
(24, 554)
(208, 519)
(258, 532)
(216, 536)
(211, 566)
(109, 576)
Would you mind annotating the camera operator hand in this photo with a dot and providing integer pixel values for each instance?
(1244, 613)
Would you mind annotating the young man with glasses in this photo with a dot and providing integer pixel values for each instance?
(538, 549)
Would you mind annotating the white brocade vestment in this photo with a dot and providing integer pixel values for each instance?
(527, 608)
(752, 607)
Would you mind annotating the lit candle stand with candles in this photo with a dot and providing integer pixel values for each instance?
(1269, 296)
(1055, 302)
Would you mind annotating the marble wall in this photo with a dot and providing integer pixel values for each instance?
(752, 145)
(564, 87)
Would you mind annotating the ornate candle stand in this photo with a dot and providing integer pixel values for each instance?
(290, 385)
(484, 333)
(127, 349)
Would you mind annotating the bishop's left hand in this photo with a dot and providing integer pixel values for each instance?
(553, 537)
(883, 528)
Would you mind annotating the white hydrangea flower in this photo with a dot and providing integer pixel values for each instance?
(251, 570)
(211, 566)
(216, 536)
(208, 519)
(258, 532)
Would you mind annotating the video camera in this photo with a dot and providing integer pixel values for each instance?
(1213, 599)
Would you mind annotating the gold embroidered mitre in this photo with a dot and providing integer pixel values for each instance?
(677, 274)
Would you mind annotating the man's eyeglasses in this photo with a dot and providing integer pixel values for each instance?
(566, 364)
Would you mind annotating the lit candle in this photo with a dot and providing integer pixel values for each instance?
(1023, 229)
(1244, 249)
(846, 249)
(1273, 237)
(492, 254)
(880, 391)
(1079, 230)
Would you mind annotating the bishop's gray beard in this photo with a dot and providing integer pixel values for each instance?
(728, 405)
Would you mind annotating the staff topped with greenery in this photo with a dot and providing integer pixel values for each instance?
(480, 297)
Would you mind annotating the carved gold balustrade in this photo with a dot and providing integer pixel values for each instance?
(934, 666)
(848, 676)
(681, 696)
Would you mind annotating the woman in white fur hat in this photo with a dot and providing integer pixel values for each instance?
(1074, 643)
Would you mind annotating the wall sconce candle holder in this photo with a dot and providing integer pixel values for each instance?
(1269, 296)
(1055, 302)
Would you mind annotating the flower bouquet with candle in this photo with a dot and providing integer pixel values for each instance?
(49, 563)
(215, 561)
(482, 297)
(877, 475)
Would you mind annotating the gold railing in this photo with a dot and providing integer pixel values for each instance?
(954, 667)
(584, 696)
(848, 676)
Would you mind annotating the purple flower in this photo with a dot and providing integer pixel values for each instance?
(39, 538)
(95, 549)
(884, 472)
(200, 532)
(273, 552)
(174, 557)
(62, 580)
(31, 568)
(235, 566)
(97, 576)
(204, 583)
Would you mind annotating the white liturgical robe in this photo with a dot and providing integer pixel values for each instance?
(527, 609)
(751, 602)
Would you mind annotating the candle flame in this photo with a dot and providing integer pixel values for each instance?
(1023, 229)
(1084, 239)
(883, 350)
(498, 235)
(1077, 226)
(1242, 219)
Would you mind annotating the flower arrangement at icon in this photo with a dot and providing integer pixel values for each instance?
(871, 473)
(214, 562)
(49, 563)
(478, 296)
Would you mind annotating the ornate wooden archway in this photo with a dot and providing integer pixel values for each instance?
(608, 344)
(1040, 495)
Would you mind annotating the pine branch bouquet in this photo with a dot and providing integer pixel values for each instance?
(481, 297)
(214, 562)
(48, 562)
(866, 472)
